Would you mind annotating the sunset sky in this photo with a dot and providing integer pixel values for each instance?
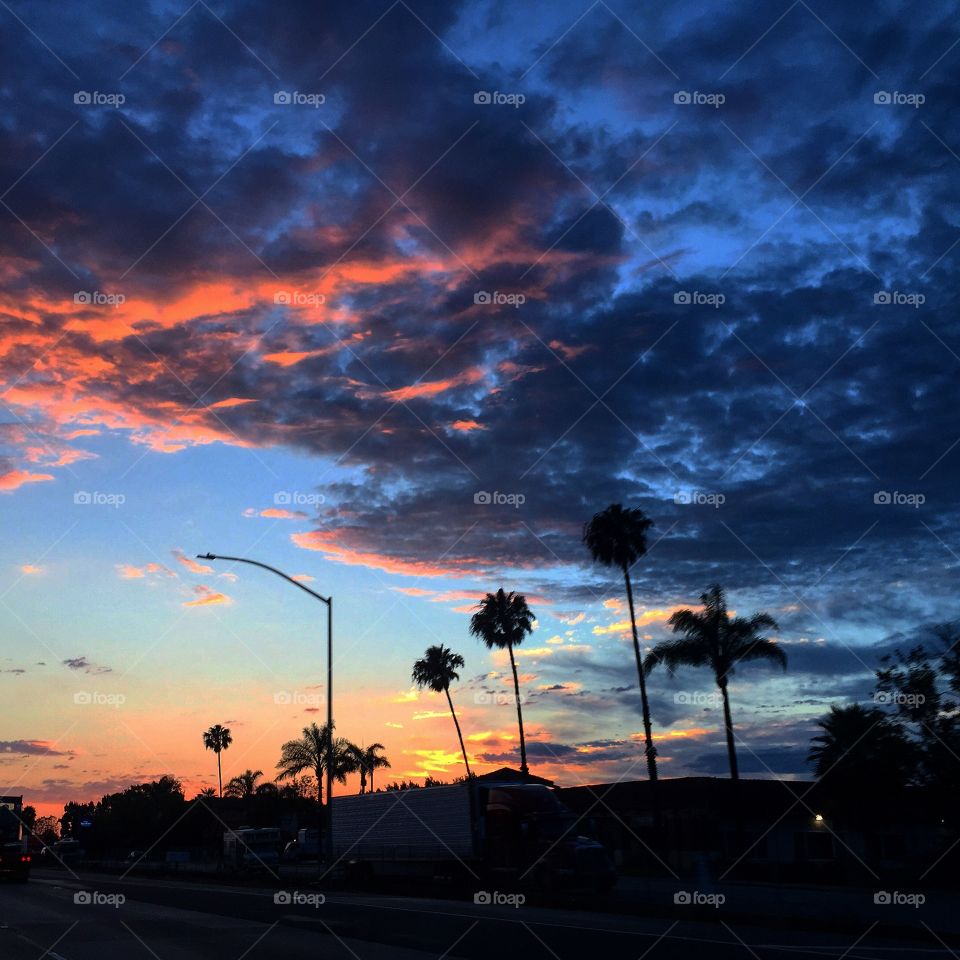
(298, 282)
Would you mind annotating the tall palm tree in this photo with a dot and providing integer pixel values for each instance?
(712, 638)
(310, 753)
(437, 669)
(366, 760)
(502, 621)
(244, 785)
(217, 739)
(617, 537)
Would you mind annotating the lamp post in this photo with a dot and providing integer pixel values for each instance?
(328, 825)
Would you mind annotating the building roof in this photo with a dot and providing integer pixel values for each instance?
(509, 775)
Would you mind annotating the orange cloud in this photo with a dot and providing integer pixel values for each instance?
(14, 479)
(206, 596)
(431, 388)
(128, 571)
(325, 541)
(192, 564)
(231, 402)
(466, 425)
(31, 569)
(647, 616)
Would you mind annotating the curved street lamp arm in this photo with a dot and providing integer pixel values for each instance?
(264, 566)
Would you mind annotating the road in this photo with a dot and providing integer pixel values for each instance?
(61, 917)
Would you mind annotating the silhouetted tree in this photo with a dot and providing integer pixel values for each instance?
(920, 690)
(859, 750)
(617, 537)
(47, 829)
(437, 669)
(502, 621)
(712, 638)
(366, 760)
(244, 785)
(309, 753)
(217, 739)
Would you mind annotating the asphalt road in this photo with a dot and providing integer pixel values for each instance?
(60, 917)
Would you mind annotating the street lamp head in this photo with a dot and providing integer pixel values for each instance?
(206, 556)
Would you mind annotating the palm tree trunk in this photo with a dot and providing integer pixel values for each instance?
(371, 779)
(456, 723)
(516, 686)
(219, 775)
(728, 723)
(651, 750)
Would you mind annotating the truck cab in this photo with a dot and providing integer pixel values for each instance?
(14, 856)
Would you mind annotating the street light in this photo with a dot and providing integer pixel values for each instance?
(328, 831)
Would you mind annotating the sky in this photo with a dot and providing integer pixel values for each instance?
(394, 297)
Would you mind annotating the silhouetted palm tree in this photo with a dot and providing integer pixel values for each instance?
(437, 669)
(712, 638)
(244, 785)
(207, 793)
(310, 753)
(366, 760)
(859, 749)
(217, 739)
(617, 537)
(502, 621)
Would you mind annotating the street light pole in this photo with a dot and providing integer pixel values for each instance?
(328, 831)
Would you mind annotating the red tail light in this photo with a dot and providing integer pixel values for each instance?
(24, 859)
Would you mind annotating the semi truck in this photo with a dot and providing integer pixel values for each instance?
(14, 856)
(495, 833)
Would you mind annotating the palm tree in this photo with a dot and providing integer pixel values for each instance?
(310, 753)
(437, 669)
(502, 621)
(618, 538)
(217, 739)
(366, 760)
(860, 748)
(244, 785)
(715, 639)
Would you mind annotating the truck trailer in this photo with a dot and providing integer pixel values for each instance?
(494, 833)
(14, 856)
